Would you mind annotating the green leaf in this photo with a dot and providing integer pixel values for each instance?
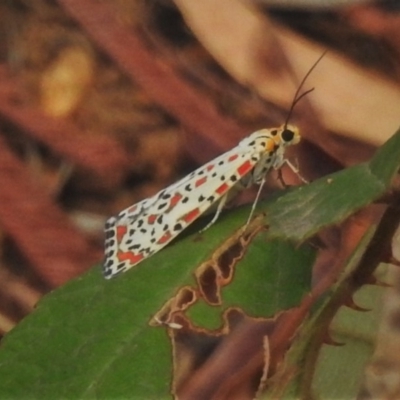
(91, 338)
(339, 370)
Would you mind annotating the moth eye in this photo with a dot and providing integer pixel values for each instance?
(287, 135)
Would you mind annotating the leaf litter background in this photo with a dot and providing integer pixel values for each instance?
(103, 103)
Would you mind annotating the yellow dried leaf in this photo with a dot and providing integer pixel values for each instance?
(66, 81)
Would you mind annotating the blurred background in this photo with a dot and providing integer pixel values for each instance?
(103, 103)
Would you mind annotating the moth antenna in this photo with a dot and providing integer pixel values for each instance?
(298, 97)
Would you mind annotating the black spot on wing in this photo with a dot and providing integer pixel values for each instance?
(109, 224)
(161, 206)
(178, 227)
(146, 250)
(120, 266)
(233, 178)
(109, 234)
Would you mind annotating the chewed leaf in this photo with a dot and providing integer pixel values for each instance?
(272, 276)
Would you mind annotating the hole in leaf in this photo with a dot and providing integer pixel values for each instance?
(185, 298)
(207, 281)
(228, 258)
(180, 302)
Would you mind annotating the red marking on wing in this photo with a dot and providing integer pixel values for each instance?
(121, 231)
(174, 200)
(191, 215)
(164, 238)
(200, 181)
(151, 219)
(245, 168)
(222, 189)
(210, 167)
(233, 157)
(129, 256)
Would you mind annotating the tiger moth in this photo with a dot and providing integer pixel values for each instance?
(145, 228)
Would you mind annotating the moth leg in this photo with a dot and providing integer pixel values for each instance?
(220, 207)
(294, 169)
(253, 207)
(281, 180)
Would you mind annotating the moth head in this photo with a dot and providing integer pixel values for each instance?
(270, 140)
(288, 135)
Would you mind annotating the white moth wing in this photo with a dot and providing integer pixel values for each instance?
(146, 227)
